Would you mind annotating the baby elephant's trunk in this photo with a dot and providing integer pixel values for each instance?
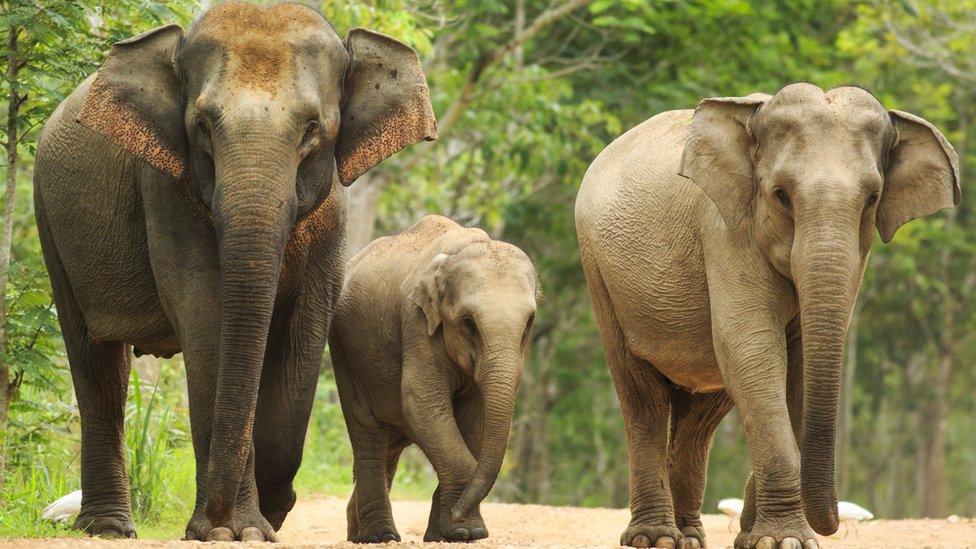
(497, 376)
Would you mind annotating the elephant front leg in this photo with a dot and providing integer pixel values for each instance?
(754, 369)
(199, 336)
(429, 415)
(694, 418)
(468, 413)
(293, 358)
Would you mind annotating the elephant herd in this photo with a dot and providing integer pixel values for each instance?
(187, 201)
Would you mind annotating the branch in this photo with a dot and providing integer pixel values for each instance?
(488, 60)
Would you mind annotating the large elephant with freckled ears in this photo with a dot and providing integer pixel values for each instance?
(187, 200)
(735, 284)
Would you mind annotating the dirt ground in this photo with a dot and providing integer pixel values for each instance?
(321, 522)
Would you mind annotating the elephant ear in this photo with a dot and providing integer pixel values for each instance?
(717, 155)
(427, 293)
(386, 103)
(922, 175)
(136, 99)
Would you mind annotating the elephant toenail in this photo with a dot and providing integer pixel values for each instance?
(462, 534)
(220, 533)
(811, 544)
(479, 533)
(664, 542)
(689, 543)
(641, 541)
(766, 542)
(790, 543)
(251, 534)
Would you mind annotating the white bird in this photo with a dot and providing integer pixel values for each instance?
(852, 512)
(732, 508)
(64, 508)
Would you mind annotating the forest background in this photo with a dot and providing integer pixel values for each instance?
(527, 93)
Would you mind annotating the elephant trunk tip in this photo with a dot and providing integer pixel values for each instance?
(472, 496)
(823, 523)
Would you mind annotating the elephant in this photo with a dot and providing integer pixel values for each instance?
(186, 200)
(723, 250)
(432, 329)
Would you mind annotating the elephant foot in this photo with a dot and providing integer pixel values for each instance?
(651, 535)
(693, 536)
(445, 529)
(247, 525)
(106, 526)
(378, 531)
(781, 536)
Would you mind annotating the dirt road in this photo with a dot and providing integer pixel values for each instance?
(321, 522)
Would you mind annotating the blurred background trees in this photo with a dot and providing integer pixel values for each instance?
(527, 92)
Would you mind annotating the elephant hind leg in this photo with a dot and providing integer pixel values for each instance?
(644, 395)
(370, 503)
(694, 418)
(100, 374)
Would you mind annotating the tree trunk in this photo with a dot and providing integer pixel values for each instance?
(936, 485)
(13, 113)
(364, 197)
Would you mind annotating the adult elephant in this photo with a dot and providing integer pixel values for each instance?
(186, 201)
(736, 285)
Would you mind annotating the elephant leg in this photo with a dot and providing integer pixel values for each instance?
(694, 418)
(794, 399)
(468, 412)
(645, 404)
(200, 358)
(288, 381)
(755, 372)
(100, 375)
(374, 516)
(392, 459)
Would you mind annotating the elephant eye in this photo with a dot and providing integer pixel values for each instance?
(311, 128)
(203, 127)
(528, 328)
(782, 197)
(872, 198)
(469, 325)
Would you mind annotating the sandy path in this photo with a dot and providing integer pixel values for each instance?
(321, 522)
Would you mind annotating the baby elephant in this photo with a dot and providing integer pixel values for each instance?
(428, 342)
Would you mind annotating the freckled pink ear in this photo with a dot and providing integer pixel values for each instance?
(136, 99)
(387, 104)
(427, 293)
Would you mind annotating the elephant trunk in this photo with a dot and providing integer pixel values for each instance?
(497, 375)
(254, 208)
(826, 267)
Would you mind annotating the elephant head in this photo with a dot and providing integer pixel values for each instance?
(254, 114)
(480, 302)
(810, 174)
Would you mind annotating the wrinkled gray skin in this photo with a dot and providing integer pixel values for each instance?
(736, 285)
(186, 199)
(431, 331)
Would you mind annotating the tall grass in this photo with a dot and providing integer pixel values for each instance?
(153, 433)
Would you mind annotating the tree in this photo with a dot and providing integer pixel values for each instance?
(49, 47)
